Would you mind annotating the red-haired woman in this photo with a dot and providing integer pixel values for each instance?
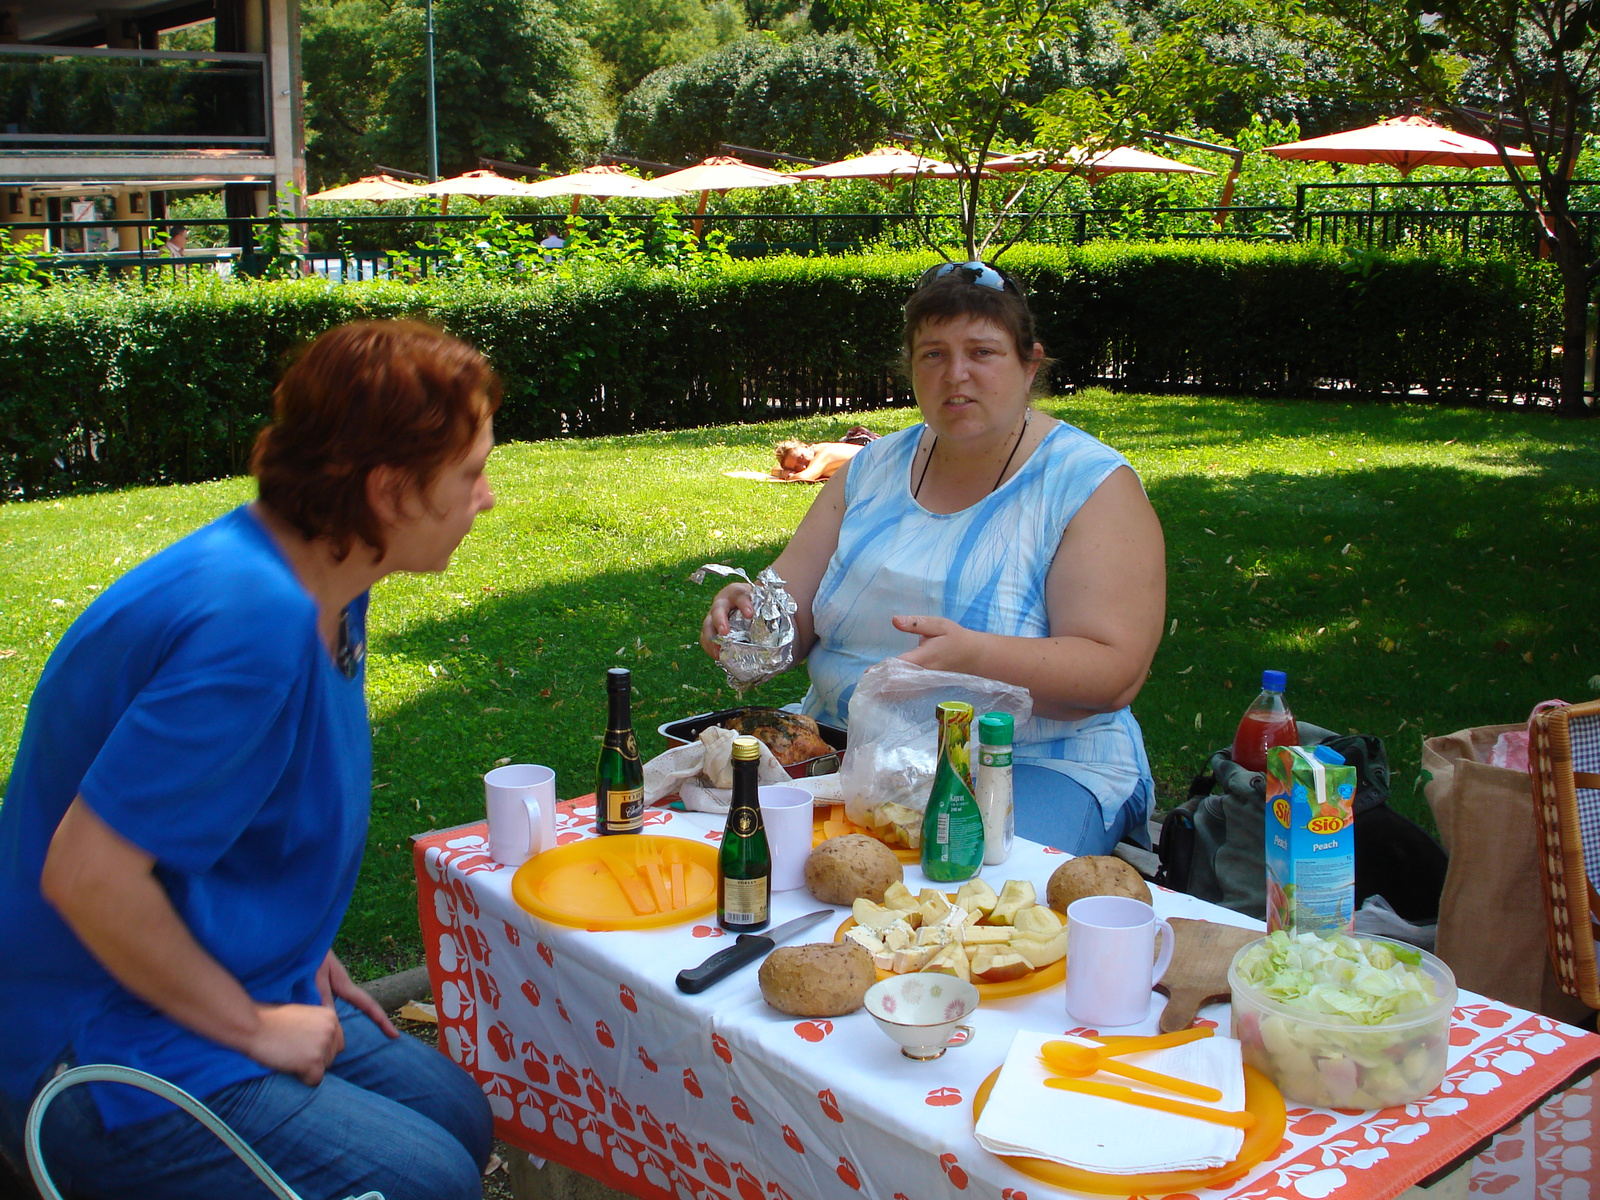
(188, 808)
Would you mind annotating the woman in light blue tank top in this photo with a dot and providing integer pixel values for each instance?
(996, 541)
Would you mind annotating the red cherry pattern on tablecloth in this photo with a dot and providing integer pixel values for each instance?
(1204, 1023)
(692, 1085)
(749, 1187)
(681, 1148)
(1489, 1018)
(595, 1089)
(1053, 850)
(830, 1105)
(477, 944)
(567, 1079)
(562, 1009)
(467, 902)
(1313, 1124)
(705, 931)
(488, 989)
(621, 1116)
(649, 1063)
(602, 1033)
(625, 993)
(1083, 1031)
(547, 954)
(500, 1038)
(742, 1111)
(513, 934)
(719, 1047)
(1462, 1035)
(814, 1031)
(847, 1173)
(716, 1170)
(1013, 1194)
(531, 991)
(953, 1171)
(792, 1140)
(778, 1193)
(571, 835)
(943, 1097)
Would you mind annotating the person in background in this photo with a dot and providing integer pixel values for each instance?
(188, 808)
(990, 540)
(177, 244)
(811, 462)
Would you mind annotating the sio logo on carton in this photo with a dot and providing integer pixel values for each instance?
(1310, 851)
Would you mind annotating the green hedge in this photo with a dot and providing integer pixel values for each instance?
(109, 386)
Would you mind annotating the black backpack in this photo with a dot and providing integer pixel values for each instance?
(1213, 844)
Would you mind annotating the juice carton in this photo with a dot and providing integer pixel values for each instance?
(1311, 850)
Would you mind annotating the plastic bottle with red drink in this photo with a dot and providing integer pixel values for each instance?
(1266, 723)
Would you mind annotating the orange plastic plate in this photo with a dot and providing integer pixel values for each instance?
(1033, 981)
(818, 835)
(1260, 1142)
(572, 885)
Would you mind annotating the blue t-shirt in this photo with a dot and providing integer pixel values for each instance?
(198, 713)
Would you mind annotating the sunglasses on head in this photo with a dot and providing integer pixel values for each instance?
(979, 273)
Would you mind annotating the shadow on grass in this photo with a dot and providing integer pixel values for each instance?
(1402, 601)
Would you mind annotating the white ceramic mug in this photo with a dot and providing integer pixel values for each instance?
(521, 800)
(1111, 959)
(788, 814)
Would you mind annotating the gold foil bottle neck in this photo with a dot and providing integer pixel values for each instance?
(745, 748)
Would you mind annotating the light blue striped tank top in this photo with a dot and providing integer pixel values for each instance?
(984, 568)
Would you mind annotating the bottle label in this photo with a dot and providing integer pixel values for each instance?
(994, 756)
(629, 745)
(624, 809)
(744, 901)
(744, 821)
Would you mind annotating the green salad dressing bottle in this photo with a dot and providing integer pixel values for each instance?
(952, 826)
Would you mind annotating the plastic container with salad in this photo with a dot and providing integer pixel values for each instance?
(1343, 1022)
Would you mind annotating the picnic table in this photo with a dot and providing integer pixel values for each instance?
(592, 1058)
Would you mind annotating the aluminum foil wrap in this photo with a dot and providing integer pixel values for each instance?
(757, 648)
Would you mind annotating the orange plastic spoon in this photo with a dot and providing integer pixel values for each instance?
(1069, 1058)
(1116, 1091)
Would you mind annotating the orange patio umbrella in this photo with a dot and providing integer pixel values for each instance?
(376, 188)
(1404, 143)
(477, 184)
(603, 182)
(721, 174)
(1117, 160)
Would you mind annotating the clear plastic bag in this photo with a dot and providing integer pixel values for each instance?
(894, 732)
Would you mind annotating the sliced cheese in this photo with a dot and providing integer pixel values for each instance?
(952, 960)
(915, 958)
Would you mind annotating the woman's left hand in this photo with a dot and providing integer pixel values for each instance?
(334, 981)
(944, 645)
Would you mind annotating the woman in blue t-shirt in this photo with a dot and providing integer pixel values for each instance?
(990, 540)
(186, 816)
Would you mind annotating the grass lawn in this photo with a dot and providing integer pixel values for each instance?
(1414, 570)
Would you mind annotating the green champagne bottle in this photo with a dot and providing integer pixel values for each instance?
(619, 776)
(952, 826)
(744, 866)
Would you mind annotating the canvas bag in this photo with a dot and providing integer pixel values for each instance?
(1492, 929)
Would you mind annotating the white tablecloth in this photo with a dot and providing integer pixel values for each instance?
(591, 1055)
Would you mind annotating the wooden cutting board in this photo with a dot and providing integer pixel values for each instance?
(1201, 953)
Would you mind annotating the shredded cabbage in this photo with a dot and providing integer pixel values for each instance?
(1367, 982)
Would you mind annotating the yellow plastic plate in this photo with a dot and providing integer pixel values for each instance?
(573, 885)
(1033, 981)
(1260, 1142)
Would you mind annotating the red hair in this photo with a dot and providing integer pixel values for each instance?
(395, 394)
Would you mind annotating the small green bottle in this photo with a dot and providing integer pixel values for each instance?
(952, 826)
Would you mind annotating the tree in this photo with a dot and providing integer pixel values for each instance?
(955, 69)
(812, 96)
(1536, 63)
(637, 37)
(514, 80)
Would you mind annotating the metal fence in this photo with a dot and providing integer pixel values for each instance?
(367, 246)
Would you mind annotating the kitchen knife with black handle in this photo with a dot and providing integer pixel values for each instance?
(748, 948)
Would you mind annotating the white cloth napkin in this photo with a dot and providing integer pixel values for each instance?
(1025, 1118)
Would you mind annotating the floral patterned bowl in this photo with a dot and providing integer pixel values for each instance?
(922, 1012)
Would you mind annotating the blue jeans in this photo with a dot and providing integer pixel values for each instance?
(1058, 811)
(391, 1115)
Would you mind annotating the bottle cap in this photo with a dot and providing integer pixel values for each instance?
(996, 729)
(1327, 755)
(618, 679)
(1274, 681)
(952, 710)
(746, 749)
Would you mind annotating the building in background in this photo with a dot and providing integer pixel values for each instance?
(92, 109)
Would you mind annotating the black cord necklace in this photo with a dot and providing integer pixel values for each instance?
(1027, 417)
